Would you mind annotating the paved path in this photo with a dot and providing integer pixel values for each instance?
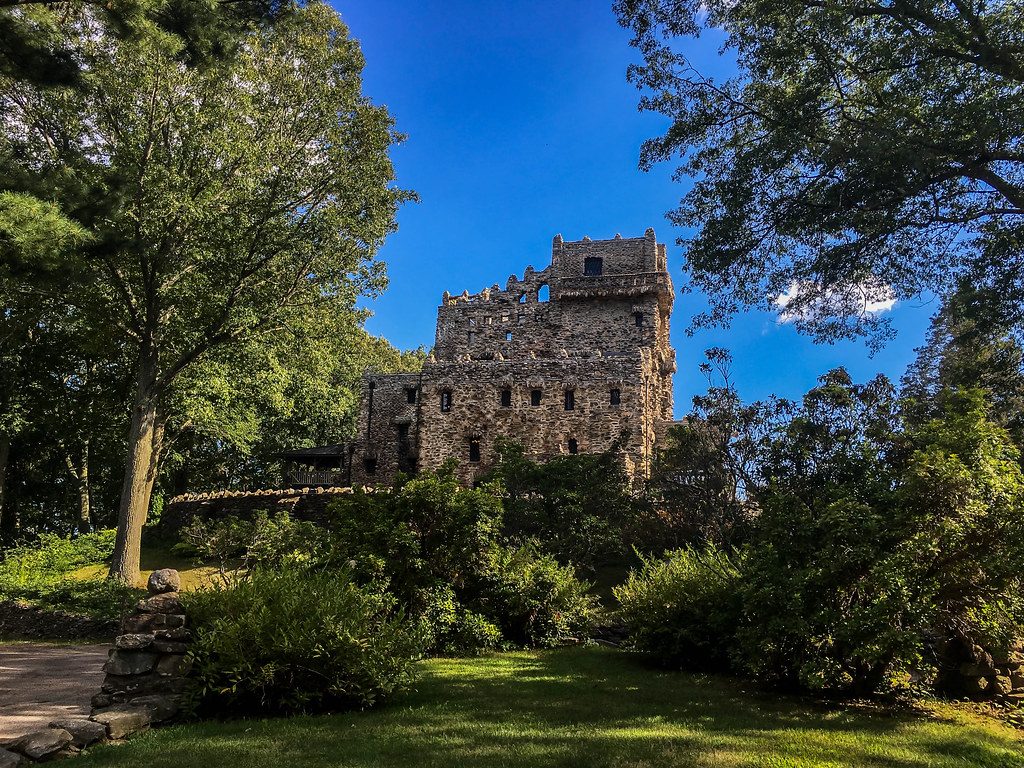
(40, 683)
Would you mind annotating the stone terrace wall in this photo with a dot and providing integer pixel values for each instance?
(301, 503)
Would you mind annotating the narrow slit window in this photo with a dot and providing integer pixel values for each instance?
(472, 336)
(570, 399)
(508, 336)
(616, 397)
(446, 401)
(638, 318)
(593, 266)
(534, 397)
(574, 447)
(474, 451)
(410, 395)
(506, 398)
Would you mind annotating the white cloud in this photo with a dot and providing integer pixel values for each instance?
(867, 298)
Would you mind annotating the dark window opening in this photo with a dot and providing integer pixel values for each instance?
(534, 397)
(403, 438)
(593, 266)
(616, 397)
(638, 318)
(474, 450)
(570, 399)
(410, 395)
(506, 398)
(446, 401)
(573, 445)
(472, 336)
(370, 464)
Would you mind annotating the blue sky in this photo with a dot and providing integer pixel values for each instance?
(521, 125)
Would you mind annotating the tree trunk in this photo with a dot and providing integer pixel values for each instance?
(146, 430)
(5, 454)
(80, 474)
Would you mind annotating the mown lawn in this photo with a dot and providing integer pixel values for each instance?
(579, 707)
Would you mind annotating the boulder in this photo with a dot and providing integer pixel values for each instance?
(130, 663)
(42, 744)
(101, 700)
(168, 602)
(122, 721)
(133, 641)
(83, 732)
(151, 622)
(10, 759)
(975, 687)
(175, 665)
(1017, 679)
(159, 707)
(976, 670)
(164, 580)
(1000, 685)
(169, 646)
(177, 633)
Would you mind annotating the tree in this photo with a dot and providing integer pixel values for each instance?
(224, 202)
(969, 346)
(865, 151)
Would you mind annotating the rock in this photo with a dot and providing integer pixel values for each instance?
(1017, 679)
(133, 642)
(10, 759)
(176, 665)
(976, 670)
(168, 602)
(164, 580)
(42, 744)
(130, 663)
(122, 688)
(101, 700)
(1000, 685)
(83, 732)
(160, 708)
(975, 686)
(122, 721)
(151, 622)
(169, 646)
(177, 633)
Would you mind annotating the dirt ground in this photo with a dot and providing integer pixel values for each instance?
(40, 683)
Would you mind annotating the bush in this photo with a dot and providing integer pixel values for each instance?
(533, 599)
(683, 609)
(452, 630)
(51, 557)
(439, 548)
(293, 640)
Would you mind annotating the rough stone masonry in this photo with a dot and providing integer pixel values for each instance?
(586, 369)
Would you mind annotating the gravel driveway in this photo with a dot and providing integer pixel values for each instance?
(40, 683)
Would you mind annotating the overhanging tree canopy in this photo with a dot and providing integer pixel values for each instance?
(867, 150)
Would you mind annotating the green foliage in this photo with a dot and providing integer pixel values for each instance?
(684, 609)
(240, 545)
(862, 152)
(40, 573)
(452, 630)
(439, 548)
(535, 600)
(295, 640)
(51, 557)
(581, 509)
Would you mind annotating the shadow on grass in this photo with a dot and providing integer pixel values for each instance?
(577, 708)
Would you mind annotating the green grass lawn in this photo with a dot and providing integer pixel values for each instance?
(580, 707)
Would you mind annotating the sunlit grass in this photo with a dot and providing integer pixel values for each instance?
(582, 707)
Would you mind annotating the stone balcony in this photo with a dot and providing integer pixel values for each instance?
(635, 284)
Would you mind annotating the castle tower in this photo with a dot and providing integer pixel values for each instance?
(574, 358)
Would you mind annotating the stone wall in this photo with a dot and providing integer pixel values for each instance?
(968, 670)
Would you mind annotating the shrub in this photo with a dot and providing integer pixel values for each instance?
(294, 640)
(533, 599)
(450, 629)
(239, 545)
(51, 557)
(684, 608)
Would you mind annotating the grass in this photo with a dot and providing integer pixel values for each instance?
(192, 576)
(581, 707)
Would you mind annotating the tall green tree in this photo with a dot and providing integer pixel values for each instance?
(865, 151)
(225, 202)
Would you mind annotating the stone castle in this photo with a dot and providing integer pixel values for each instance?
(586, 368)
